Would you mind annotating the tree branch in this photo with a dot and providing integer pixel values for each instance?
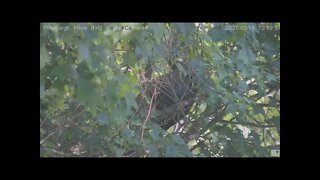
(248, 123)
(149, 112)
(44, 139)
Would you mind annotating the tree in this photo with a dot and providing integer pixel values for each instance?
(94, 75)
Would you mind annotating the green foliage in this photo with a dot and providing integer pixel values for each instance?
(90, 81)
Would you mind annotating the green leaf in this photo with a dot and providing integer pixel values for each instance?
(187, 30)
(271, 77)
(240, 143)
(224, 99)
(153, 150)
(159, 50)
(276, 122)
(260, 150)
(273, 101)
(42, 91)
(220, 32)
(177, 139)
(204, 149)
(225, 131)
(242, 67)
(256, 139)
(130, 58)
(243, 86)
(180, 68)
(131, 101)
(246, 55)
(87, 94)
(144, 50)
(261, 87)
(222, 73)
(155, 134)
(119, 152)
(64, 71)
(258, 110)
(44, 57)
(232, 108)
(213, 99)
(158, 29)
(127, 133)
(171, 151)
(83, 53)
(123, 85)
(103, 118)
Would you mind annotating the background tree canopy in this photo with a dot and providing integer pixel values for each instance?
(94, 75)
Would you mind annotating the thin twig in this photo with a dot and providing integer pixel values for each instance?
(133, 153)
(43, 120)
(82, 110)
(149, 112)
(248, 123)
(55, 151)
(47, 137)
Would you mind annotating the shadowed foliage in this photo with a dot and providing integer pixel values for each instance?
(159, 89)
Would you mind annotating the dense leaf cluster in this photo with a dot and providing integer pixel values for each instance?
(91, 75)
